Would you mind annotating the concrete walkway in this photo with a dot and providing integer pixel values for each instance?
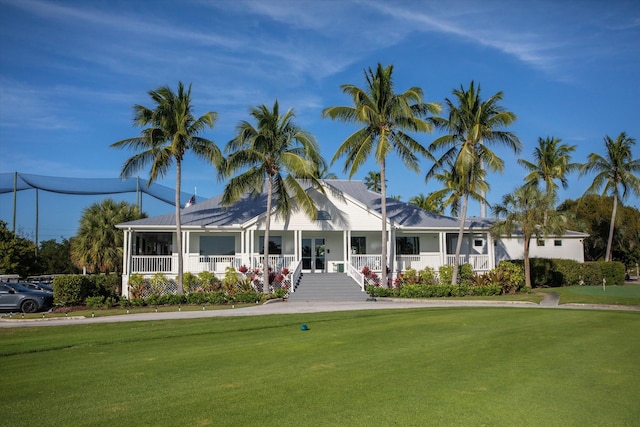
(279, 307)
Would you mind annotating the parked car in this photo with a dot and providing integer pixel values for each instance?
(16, 297)
(35, 286)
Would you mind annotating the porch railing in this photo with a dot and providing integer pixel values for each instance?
(276, 262)
(213, 263)
(153, 263)
(478, 262)
(356, 275)
(374, 262)
(418, 262)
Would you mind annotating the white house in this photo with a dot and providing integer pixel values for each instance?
(345, 237)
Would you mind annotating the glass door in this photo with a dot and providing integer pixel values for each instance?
(313, 255)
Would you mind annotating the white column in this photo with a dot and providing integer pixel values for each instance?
(443, 248)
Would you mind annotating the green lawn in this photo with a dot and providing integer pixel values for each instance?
(612, 295)
(440, 366)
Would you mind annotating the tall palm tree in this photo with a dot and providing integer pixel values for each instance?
(372, 181)
(170, 130)
(278, 153)
(615, 169)
(552, 161)
(472, 125)
(427, 203)
(98, 244)
(385, 117)
(526, 209)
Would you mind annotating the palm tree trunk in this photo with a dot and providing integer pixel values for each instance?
(608, 255)
(527, 264)
(463, 218)
(180, 290)
(267, 225)
(383, 188)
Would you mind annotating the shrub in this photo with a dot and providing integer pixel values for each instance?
(158, 283)
(217, 297)
(445, 274)
(428, 276)
(136, 285)
(247, 296)
(124, 302)
(110, 302)
(208, 281)
(94, 302)
(72, 289)
(190, 282)
(108, 285)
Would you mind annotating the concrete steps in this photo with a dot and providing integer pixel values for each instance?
(327, 287)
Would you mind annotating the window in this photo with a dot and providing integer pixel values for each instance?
(324, 216)
(478, 243)
(408, 245)
(153, 243)
(540, 242)
(217, 245)
(557, 243)
(358, 245)
(275, 245)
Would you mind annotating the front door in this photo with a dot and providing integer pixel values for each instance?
(313, 255)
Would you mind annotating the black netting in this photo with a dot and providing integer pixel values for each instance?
(16, 181)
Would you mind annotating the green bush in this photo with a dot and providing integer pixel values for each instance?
(445, 274)
(197, 298)
(547, 272)
(110, 302)
(246, 296)
(217, 297)
(72, 289)
(95, 302)
(108, 285)
(124, 302)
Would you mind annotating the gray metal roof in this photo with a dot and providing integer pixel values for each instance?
(210, 213)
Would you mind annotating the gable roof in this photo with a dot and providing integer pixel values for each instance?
(211, 213)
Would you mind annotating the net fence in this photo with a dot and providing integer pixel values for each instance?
(16, 181)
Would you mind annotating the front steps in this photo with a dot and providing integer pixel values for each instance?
(327, 287)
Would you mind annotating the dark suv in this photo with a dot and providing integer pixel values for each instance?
(15, 297)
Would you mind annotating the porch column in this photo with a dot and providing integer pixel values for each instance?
(392, 251)
(443, 248)
(126, 252)
(345, 246)
(349, 246)
(491, 251)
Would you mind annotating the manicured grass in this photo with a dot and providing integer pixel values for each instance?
(612, 295)
(444, 366)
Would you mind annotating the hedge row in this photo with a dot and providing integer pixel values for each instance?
(74, 289)
(547, 272)
(420, 290)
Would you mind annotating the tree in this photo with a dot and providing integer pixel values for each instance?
(615, 170)
(456, 186)
(591, 214)
(525, 210)
(552, 162)
(427, 203)
(372, 181)
(55, 257)
(17, 254)
(385, 117)
(98, 243)
(278, 153)
(171, 130)
(472, 124)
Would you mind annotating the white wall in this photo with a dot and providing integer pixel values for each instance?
(513, 248)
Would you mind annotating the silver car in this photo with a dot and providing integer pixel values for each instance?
(15, 297)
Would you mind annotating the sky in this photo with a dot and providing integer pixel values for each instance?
(71, 71)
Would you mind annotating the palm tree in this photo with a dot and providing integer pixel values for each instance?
(526, 209)
(170, 131)
(455, 187)
(278, 153)
(616, 169)
(98, 244)
(471, 126)
(552, 161)
(372, 181)
(385, 117)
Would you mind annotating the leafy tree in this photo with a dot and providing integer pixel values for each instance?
(171, 130)
(615, 170)
(55, 258)
(471, 126)
(552, 162)
(98, 244)
(278, 153)
(591, 214)
(385, 118)
(525, 210)
(17, 254)
(427, 203)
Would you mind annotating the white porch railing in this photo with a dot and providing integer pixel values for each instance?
(154, 263)
(374, 262)
(214, 263)
(418, 262)
(356, 275)
(276, 262)
(478, 262)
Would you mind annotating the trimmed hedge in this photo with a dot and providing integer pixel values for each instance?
(74, 289)
(546, 272)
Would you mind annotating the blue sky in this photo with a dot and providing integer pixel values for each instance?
(70, 72)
